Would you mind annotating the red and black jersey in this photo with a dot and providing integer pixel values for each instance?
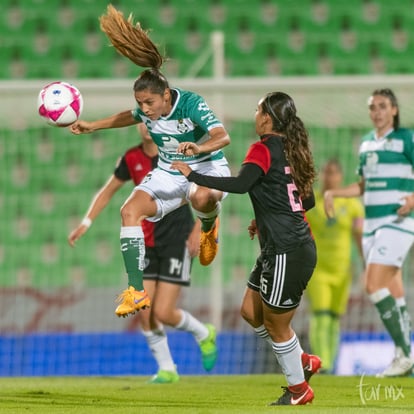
(175, 226)
(265, 175)
(276, 202)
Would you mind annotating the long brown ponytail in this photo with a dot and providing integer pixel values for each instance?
(282, 110)
(130, 40)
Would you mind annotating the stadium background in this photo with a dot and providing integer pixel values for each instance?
(57, 303)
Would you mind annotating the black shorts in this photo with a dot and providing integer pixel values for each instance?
(171, 264)
(282, 278)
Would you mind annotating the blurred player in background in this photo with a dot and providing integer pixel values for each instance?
(170, 244)
(386, 161)
(278, 174)
(328, 289)
(184, 128)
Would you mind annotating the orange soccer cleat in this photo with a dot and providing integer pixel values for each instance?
(209, 244)
(131, 301)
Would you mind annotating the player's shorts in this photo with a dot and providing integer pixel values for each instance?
(282, 278)
(387, 246)
(171, 264)
(171, 190)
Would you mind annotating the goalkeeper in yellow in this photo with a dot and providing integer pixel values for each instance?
(328, 289)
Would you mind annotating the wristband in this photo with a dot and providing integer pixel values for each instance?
(86, 222)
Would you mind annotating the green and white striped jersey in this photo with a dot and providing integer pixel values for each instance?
(189, 121)
(386, 164)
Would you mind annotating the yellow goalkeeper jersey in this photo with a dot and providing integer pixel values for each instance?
(334, 236)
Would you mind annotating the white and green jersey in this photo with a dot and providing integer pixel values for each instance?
(386, 164)
(189, 121)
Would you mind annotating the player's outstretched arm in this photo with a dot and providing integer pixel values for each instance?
(119, 120)
(352, 190)
(98, 203)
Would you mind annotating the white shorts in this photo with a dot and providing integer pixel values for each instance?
(171, 190)
(387, 246)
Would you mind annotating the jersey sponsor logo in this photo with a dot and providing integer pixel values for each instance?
(202, 106)
(209, 116)
(211, 119)
(376, 184)
(288, 302)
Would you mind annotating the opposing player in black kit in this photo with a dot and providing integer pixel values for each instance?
(170, 243)
(278, 173)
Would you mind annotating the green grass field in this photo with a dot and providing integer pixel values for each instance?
(200, 394)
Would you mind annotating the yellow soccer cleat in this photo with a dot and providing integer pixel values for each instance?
(209, 244)
(131, 301)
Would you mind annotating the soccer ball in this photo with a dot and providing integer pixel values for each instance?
(60, 103)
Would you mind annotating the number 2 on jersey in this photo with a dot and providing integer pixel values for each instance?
(295, 201)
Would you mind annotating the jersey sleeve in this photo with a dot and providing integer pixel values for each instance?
(121, 170)
(258, 154)
(361, 160)
(136, 114)
(202, 115)
(409, 146)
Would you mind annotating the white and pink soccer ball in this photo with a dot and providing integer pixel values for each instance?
(60, 103)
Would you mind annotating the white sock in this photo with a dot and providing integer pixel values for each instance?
(158, 345)
(379, 295)
(190, 324)
(289, 357)
(211, 214)
(400, 301)
(131, 232)
(261, 331)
